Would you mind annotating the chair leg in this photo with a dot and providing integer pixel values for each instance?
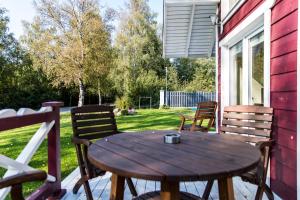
(259, 193)
(269, 192)
(193, 128)
(79, 183)
(88, 192)
(131, 187)
(181, 127)
(16, 192)
(207, 190)
(77, 186)
(83, 181)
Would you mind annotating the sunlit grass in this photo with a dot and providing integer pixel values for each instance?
(12, 142)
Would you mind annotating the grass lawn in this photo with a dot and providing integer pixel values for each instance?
(12, 142)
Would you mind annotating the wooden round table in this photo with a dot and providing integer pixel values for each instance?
(198, 157)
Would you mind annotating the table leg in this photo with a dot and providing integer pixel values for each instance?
(226, 189)
(117, 187)
(169, 190)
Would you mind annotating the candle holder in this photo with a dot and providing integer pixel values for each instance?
(172, 138)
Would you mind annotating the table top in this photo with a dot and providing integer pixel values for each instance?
(199, 156)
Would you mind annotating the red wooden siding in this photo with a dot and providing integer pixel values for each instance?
(284, 97)
(245, 10)
(284, 64)
(219, 88)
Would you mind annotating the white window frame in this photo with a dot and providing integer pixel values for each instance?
(246, 76)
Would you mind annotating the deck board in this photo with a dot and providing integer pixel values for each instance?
(101, 188)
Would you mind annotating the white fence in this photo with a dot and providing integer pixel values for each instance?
(185, 99)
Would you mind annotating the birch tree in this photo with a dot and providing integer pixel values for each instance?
(69, 41)
(138, 45)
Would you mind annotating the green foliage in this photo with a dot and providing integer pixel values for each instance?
(69, 42)
(20, 84)
(173, 81)
(147, 84)
(164, 107)
(139, 51)
(204, 77)
(124, 112)
(123, 103)
(186, 68)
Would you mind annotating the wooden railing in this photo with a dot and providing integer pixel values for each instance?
(49, 117)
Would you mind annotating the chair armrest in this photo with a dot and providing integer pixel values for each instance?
(77, 140)
(263, 144)
(24, 177)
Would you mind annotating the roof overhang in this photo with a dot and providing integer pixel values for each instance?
(188, 29)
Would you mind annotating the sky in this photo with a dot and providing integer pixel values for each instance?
(23, 10)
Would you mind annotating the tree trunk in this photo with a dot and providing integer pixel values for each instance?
(81, 94)
(99, 94)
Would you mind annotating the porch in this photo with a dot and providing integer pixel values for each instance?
(101, 188)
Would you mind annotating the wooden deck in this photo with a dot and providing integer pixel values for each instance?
(101, 188)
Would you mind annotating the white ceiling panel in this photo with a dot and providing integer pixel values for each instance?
(188, 30)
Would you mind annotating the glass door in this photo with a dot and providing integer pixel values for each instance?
(256, 69)
(246, 77)
(236, 74)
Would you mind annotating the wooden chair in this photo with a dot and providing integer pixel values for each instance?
(251, 124)
(16, 181)
(90, 123)
(205, 110)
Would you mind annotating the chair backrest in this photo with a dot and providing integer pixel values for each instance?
(93, 121)
(206, 110)
(251, 123)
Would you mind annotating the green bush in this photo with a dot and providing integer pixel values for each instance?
(164, 107)
(123, 103)
(124, 112)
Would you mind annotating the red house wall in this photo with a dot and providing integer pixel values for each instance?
(284, 97)
(245, 10)
(283, 90)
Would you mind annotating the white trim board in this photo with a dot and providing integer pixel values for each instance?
(229, 12)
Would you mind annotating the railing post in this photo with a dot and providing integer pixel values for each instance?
(54, 157)
(161, 98)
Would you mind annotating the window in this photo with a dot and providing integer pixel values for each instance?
(257, 67)
(236, 74)
(246, 70)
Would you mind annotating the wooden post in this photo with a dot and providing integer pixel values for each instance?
(225, 189)
(169, 190)
(54, 158)
(117, 187)
(52, 190)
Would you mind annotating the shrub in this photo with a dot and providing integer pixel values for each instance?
(123, 103)
(164, 107)
(124, 112)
